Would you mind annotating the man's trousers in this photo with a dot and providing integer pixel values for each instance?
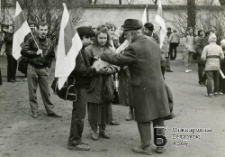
(145, 131)
(78, 115)
(212, 77)
(39, 77)
(11, 68)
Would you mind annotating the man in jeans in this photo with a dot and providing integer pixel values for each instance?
(212, 55)
(39, 52)
(82, 74)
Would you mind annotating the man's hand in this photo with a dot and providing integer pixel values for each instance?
(39, 52)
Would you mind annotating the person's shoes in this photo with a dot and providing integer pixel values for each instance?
(113, 122)
(209, 95)
(34, 115)
(142, 151)
(11, 81)
(17, 80)
(54, 115)
(80, 147)
(129, 117)
(25, 80)
(220, 93)
(95, 135)
(169, 70)
(187, 71)
(104, 135)
(160, 150)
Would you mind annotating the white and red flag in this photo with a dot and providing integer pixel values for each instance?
(69, 45)
(159, 19)
(21, 29)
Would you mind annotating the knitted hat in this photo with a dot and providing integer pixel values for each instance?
(212, 38)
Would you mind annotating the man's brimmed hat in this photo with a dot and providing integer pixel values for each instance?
(132, 24)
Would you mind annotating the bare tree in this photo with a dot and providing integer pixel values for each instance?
(206, 19)
(191, 13)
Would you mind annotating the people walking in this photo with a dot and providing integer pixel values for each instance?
(174, 41)
(189, 49)
(200, 43)
(212, 55)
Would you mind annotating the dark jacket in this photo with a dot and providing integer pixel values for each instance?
(8, 43)
(96, 91)
(200, 43)
(83, 71)
(30, 49)
(154, 36)
(149, 94)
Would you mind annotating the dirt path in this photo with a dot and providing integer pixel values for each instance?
(23, 136)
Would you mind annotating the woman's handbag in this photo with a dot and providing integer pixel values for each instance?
(67, 92)
(108, 89)
(22, 65)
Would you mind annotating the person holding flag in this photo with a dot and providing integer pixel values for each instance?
(39, 51)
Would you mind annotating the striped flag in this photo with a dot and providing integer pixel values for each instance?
(21, 29)
(159, 19)
(68, 48)
(144, 17)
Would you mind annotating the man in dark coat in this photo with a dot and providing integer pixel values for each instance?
(149, 90)
(83, 74)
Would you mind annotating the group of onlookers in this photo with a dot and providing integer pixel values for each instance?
(210, 58)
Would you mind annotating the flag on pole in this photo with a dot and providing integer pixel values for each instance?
(68, 48)
(144, 17)
(21, 29)
(159, 19)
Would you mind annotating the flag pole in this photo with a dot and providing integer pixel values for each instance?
(147, 11)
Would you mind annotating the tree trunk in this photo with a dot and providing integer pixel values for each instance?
(120, 2)
(191, 12)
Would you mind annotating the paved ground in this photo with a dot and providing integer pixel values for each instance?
(23, 136)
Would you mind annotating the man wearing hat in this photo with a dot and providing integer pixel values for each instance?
(148, 30)
(150, 99)
(212, 55)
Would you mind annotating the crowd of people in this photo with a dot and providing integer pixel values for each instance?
(130, 53)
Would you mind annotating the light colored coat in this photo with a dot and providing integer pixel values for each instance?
(212, 55)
